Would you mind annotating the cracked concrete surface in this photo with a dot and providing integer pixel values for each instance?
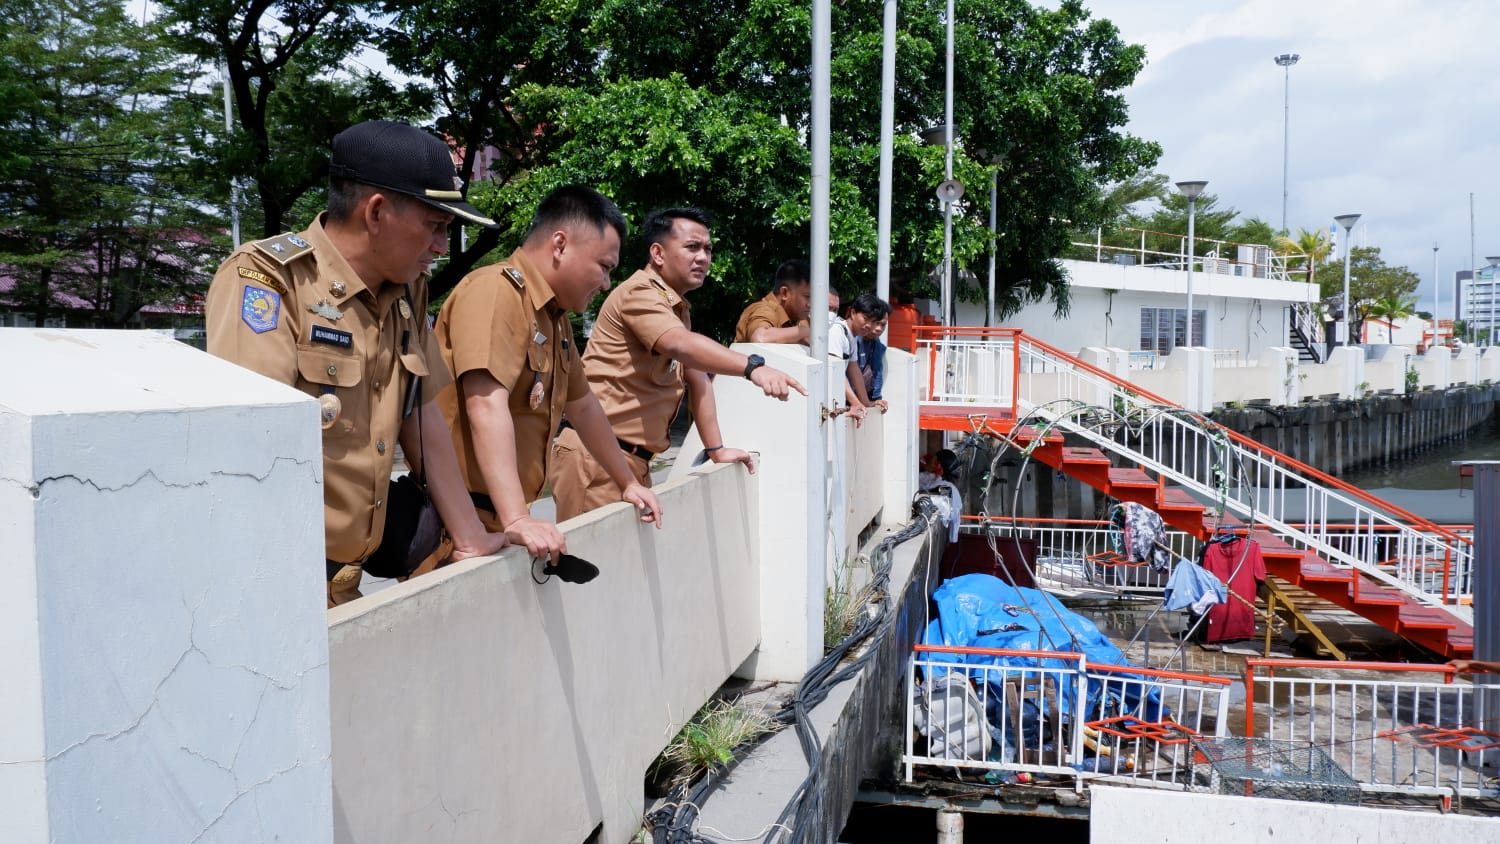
(165, 622)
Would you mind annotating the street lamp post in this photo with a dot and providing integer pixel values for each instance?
(994, 196)
(948, 173)
(1437, 300)
(1286, 60)
(1347, 221)
(1191, 190)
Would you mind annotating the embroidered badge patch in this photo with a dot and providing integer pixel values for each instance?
(260, 309)
(332, 336)
(273, 283)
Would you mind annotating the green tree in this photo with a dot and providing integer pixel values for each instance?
(96, 213)
(1391, 309)
(1370, 279)
(708, 103)
(1312, 246)
(476, 55)
(294, 86)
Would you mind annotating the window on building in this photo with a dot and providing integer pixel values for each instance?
(1163, 329)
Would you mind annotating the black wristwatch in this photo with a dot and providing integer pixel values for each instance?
(754, 362)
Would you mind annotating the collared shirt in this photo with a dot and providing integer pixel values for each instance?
(504, 319)
(291, 308)
(767, 313)
(638, 388)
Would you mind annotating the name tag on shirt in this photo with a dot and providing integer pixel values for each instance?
(332, 336)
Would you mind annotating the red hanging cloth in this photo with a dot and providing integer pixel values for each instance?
(1234, 619)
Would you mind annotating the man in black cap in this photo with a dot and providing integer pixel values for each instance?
(339, 312)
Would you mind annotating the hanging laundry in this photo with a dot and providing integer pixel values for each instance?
(1192, 588)
(950, 515)
(1237, 561)
(1145, 535)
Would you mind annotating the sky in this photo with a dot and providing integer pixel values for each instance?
(1394, 113)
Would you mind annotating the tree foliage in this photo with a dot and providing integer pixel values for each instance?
(1391, 309)
(1313, 247)
(1370, 279)
(657, 102)
(1158, 214)
(707, 102)
(95, 207)
(294, 86)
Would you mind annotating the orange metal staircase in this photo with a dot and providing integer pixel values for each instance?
(1433, 627)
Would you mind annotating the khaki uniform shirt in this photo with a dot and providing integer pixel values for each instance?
(638, 388)
(504, 319)
(767, 313)
(291, 308)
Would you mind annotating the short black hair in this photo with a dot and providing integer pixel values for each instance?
(792, 273)
(871, 306)
(344, 195)
(658, 223)
(576, 205)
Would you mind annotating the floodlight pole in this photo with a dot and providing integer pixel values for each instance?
(1286, 60)
(1191, 190)
(1347, 221)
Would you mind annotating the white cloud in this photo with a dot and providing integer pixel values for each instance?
(1395, 111)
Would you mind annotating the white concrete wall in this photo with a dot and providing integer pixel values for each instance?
(792, 624)
(1466, 366)
(473, 704)
(1174, 817)
(1489, 365)
(1273, 378)
(1434, 368)
(863, 467)
(900, 462)
(165, 662)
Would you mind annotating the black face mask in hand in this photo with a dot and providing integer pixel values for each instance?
(572, 569)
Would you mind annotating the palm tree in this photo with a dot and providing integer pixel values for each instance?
(1313, 246)
(1390, 309)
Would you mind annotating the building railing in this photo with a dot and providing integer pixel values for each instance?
(1008, 715)
(969, 365)
(1078, 555)
(1131, 246)
(1394, 727)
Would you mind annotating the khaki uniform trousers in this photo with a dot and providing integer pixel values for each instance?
(579, 483)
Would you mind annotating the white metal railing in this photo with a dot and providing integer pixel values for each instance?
(1208, 255)
(976, 370)
(1420, 559)
(1230, 359)
(1393, 727)
(1077, 555)
(1002, 714)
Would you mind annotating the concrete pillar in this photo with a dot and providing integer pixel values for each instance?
(900, 391)
(792, 592)
(166, 649)
(1281, 367)
(1195, 368)
(1351, 361)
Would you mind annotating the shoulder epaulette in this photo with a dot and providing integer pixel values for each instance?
(284, 248)
(515, 277)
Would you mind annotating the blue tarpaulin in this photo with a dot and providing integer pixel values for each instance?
(982, 611)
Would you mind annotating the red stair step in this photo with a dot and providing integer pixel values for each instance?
(1128, 477)
(1426, 618)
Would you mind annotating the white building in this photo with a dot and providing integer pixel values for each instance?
(1243, 305)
